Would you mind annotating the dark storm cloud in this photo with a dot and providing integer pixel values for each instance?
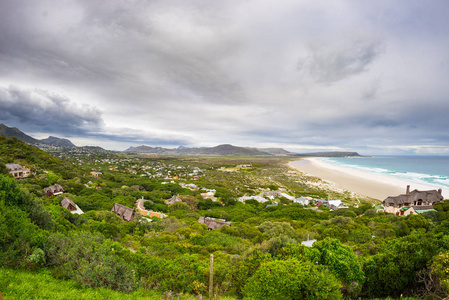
(46, 111)
(37, 111)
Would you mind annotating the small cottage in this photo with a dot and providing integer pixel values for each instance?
(126, 213)
(18, 171)
(212, 223)
(53, 190)
(71, 206)
(302, 200)
(335, 204)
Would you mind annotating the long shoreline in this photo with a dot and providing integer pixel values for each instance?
(363, 183)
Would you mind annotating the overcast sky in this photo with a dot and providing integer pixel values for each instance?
(366, 76)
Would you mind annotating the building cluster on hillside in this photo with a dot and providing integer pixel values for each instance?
(411, 203)
(306, 201)
(267, 196)
(236, 168)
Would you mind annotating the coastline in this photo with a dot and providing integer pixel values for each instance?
(362, 183)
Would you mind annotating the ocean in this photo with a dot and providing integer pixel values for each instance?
(427, 170)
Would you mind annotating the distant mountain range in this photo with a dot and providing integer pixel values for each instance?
(224, 150)
(220, 150)
(51, 140)
(328, 154)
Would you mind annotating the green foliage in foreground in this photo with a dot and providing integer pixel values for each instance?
(292, 279)
(16, 284)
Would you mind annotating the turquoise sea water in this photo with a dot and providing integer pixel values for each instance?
(428, 170)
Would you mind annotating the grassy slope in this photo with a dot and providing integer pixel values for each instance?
(18, 284)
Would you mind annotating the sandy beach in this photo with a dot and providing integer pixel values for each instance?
(362, 183)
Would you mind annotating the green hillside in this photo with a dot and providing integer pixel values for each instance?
(12, 150)
(47, 252)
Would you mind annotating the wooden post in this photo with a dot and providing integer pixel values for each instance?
(211, 278)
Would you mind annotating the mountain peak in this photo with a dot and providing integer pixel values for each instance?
(51, 140)
(55, 141)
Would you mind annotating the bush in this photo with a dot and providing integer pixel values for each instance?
(178, 206)
(341, 261)
(292, 279)
(91, 260)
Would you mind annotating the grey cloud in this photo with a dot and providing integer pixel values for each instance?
(128, 46)
(42, 111)
(46, 111)
(227, 71)
(328, 63)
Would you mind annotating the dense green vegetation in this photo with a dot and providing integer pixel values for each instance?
(47, 252)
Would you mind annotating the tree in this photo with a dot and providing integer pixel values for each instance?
(396, 267)
(18, 235)
(178, 206)
(440, 268)
(277, 228)
(245, 268)
(341, 261)
(11, 193)
(292, 279)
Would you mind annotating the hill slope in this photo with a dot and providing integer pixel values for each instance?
(15, 132)
(55, 141)
(51, 140)
(12, 150)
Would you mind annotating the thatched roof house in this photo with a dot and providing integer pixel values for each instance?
(212, 223)
(70, 205)
(414, 198)
(17, 170)
(53, 190)
(419, 200)
(173, 200)
(123, 212)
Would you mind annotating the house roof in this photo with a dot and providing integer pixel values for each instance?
(173, 199)
(424, 211)
(212, 223)
(301, 199)
(67, 203)
(336, 203)
(13, 167)
(123, 212)
(431, 196)
(423, 207)
(308, 243)
(53, 188)
(70, 205)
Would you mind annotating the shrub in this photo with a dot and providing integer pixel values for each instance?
(292, 279)
(91, 260)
